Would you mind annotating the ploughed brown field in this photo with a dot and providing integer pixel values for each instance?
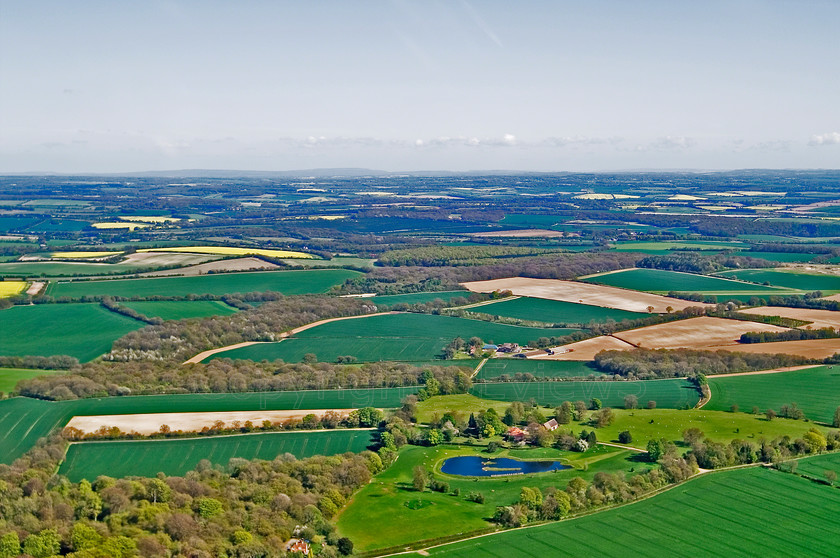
(812, 348)
(584, 293)
(189, 422)
(519, 233)
(820, 318)
(693, 333)
(583, 350)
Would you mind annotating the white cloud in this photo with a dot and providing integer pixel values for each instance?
(830, 138)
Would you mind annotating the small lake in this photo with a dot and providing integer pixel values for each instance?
(477, 466)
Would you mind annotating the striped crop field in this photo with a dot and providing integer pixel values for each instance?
(815, 390)
(662, 282)
(286, 282)
(146, 458)
(555, 311)
(496, 367)
(668, 394)
(23, 420)
(744, 512)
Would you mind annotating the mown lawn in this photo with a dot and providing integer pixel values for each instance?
(735, 513)
(385, 501)
(815, 390)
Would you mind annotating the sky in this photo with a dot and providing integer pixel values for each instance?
(586, 85)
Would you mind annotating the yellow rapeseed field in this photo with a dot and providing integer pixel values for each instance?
(120, 225)
(232, 251)
(11, 288)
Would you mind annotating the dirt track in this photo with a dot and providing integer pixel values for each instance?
(584, 293)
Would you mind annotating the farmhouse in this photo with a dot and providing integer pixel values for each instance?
(515, 434)
(298, 545)
(509, 348)
(551, 425)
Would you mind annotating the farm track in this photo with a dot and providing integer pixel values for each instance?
(286, 334)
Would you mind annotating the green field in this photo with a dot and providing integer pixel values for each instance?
(555, 311)
(815, 390)
(668, 394)
(734, 513)
(661, 282)
(655, 248)
(9, 377)
(286, 282)
(24, 420)
(495, 367)
(816, 466)
(778, 256)
(788, 279)
(84, 331)
(399, 337)
(384, 501)
(179, 310)
(418, 298)
(146, 458)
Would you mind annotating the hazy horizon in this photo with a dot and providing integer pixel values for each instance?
(610, 86)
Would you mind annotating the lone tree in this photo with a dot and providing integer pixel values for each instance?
(631, 401)
(420, 478)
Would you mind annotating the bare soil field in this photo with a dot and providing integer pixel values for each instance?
(820, 318)
(237, 264)
(189, 422)
(693, 333)
(835, 297)
(812, 348)
(35, 288)
(584, 293)
(527, 233)
(584, 350)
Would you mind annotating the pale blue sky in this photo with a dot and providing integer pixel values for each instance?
(108, 86)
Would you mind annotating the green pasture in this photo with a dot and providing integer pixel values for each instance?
(9, 377)
(385, 501)
(84, 331)
(401, 337)
(554, 311)
(817, 466)
(662, 282)
(719, 426)
(778, 256)
(788, 279)
(418, 298)
(815, 390)
(496, 367)
(182, 309)
(146, 458)
(665, 247)
(731, 513)
(24, 420)
(668, 394)
(286, 282)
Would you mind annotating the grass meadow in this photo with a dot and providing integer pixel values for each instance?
(146, 458)
(181, 309)
(9, 377)
(815, 390)
(84, 331)
(788, 279)
(496, 367)
(732, 513)
(286, 282)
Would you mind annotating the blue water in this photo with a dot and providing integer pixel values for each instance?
(475, 465)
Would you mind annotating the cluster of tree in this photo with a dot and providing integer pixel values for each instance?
(244, 509)
(443, 256)
(648, 364)
(102, 379)
(713, 455)
(699, 262)
(397, 280)
(606, 489)
(366, 417)
(794, 248)
(110, 304)
(789, 335)
(180, 340)
(238, 300)
(59, 362)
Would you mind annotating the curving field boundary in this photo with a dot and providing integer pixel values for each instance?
(204, 354)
